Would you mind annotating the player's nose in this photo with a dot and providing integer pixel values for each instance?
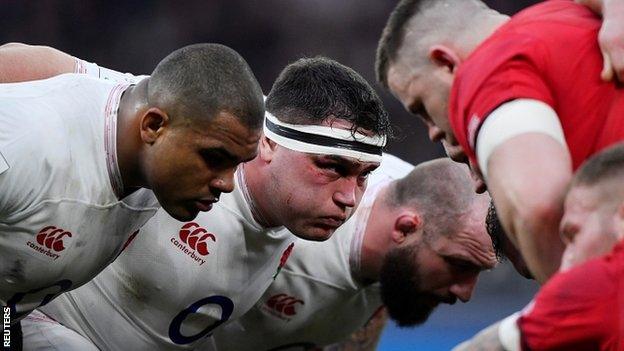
(463, 290)
(224, 182)
(345, 195)
(435, 133)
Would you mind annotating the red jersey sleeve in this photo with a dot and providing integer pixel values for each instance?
(505, 67)
(547, 52)
(575, 310)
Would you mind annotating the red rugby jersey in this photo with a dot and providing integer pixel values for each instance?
(581, 309)
(548, 52)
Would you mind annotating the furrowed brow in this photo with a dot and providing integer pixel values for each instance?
(225, 154)
(342, 160)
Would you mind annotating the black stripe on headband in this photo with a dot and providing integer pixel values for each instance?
(323, 140)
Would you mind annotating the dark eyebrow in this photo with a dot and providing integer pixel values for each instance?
(226, 154)
(341, 160)
(467, 263)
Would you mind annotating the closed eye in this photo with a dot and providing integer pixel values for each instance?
(463, 265)
(219, 158)
(419, 110)
(333, 167)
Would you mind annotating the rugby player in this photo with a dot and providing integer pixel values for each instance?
(78, 156)
(580, 307)
(496, 91)
(177, 282)
(418, 239)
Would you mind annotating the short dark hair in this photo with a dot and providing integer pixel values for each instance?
(311, 90)
(204, 79)
(496, 232)
(605, 165)
(392, 38)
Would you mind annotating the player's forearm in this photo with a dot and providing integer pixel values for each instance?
(527, 179)
(486, 340)
(352, 345)
(21, 62)
(365, 339)
(536, 228)
(501, 336)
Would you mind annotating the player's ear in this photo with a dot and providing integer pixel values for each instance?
(266, 149)
(152, 123)
(444, 56)
(407, 223)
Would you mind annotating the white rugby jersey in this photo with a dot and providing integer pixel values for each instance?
(176, 282)
(93, 70)
(61, 219)
(316, 299)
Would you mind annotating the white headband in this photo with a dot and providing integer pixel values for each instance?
(324, 140)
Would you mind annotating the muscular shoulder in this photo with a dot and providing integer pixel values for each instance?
(523, 59)
(50, 139)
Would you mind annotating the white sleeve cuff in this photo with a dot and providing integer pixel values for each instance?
(512, 119)
(509, 333)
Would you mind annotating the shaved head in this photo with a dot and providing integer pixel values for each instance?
(606, 165)
(604, 172)
(415, 25)
(440, 190)
(201, 80)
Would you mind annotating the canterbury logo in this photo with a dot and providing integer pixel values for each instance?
(196, 237)
(52, 238)
(284, 304)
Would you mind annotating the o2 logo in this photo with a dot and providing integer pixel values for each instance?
(175, 328)
(49, 293)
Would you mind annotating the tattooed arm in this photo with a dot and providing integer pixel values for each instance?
(366, 338)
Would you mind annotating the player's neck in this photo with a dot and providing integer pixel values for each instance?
(375, 242)
(133, 100)
(256, 186)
